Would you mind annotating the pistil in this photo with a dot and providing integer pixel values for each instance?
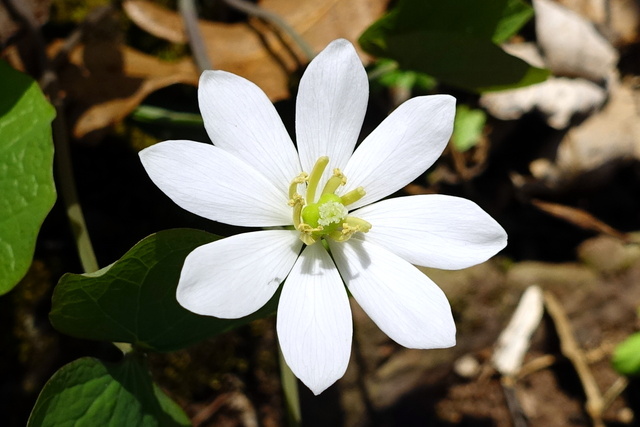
(314, 178)
(328, 217)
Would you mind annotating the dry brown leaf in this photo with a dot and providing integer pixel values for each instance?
(105, 81)
(156, 20)
(620, 24)
(558, 99)
(571, 45)
(8, 27)
(610, 135)
(253, 50)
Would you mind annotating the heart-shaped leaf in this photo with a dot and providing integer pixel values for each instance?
(27, 192)
(88, 392)
(454, 41)
(133, 300)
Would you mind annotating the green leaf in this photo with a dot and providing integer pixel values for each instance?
(27, 191)
(89, 392)
(467, 128)
(515, 14)
(626, 357)
(133, 300)
(386, 72)
(453, 41)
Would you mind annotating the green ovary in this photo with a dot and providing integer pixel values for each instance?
(329, 214)
(326, 217)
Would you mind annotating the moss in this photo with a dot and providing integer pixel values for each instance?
(63, 11)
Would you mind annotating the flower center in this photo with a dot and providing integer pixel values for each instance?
(328, 216)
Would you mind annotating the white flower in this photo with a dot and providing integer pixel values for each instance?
(253, 176)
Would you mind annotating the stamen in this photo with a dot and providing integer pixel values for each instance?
(296, 200)
(307, 233)
(314, 177)
(351, 226)
(334, 182)
(293, 187)
(358, 223)
(353, 196)
(297, 210)
(317, 220)
(308, 239)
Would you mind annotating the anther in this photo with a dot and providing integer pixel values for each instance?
(296, 200)
(293, 187)
(334, 182)
(353, 196)
(357, 223)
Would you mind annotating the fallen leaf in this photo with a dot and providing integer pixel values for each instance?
(558, 99)
(580, 51)
(252, 49)
(156, 20)
(618, 20)
(612, 134)
(105, 81)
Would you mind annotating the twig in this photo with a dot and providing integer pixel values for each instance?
(275, 19)
(579, 218)
(537, 364)
(569, 347)
(196, 43)
(614, 391)
(518, 416)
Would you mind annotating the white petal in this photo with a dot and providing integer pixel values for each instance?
(314, 320)
(332, 100)
(234, 277)
(402, 147)
(434, 230)
(403, 302)
(240, 119)
(214, 184)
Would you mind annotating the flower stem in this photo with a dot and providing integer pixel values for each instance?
(67, 187)
(290, 391)
(49, 83)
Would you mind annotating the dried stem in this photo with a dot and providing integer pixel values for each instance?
(275, 19)
(196, 42)
(571, 350)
